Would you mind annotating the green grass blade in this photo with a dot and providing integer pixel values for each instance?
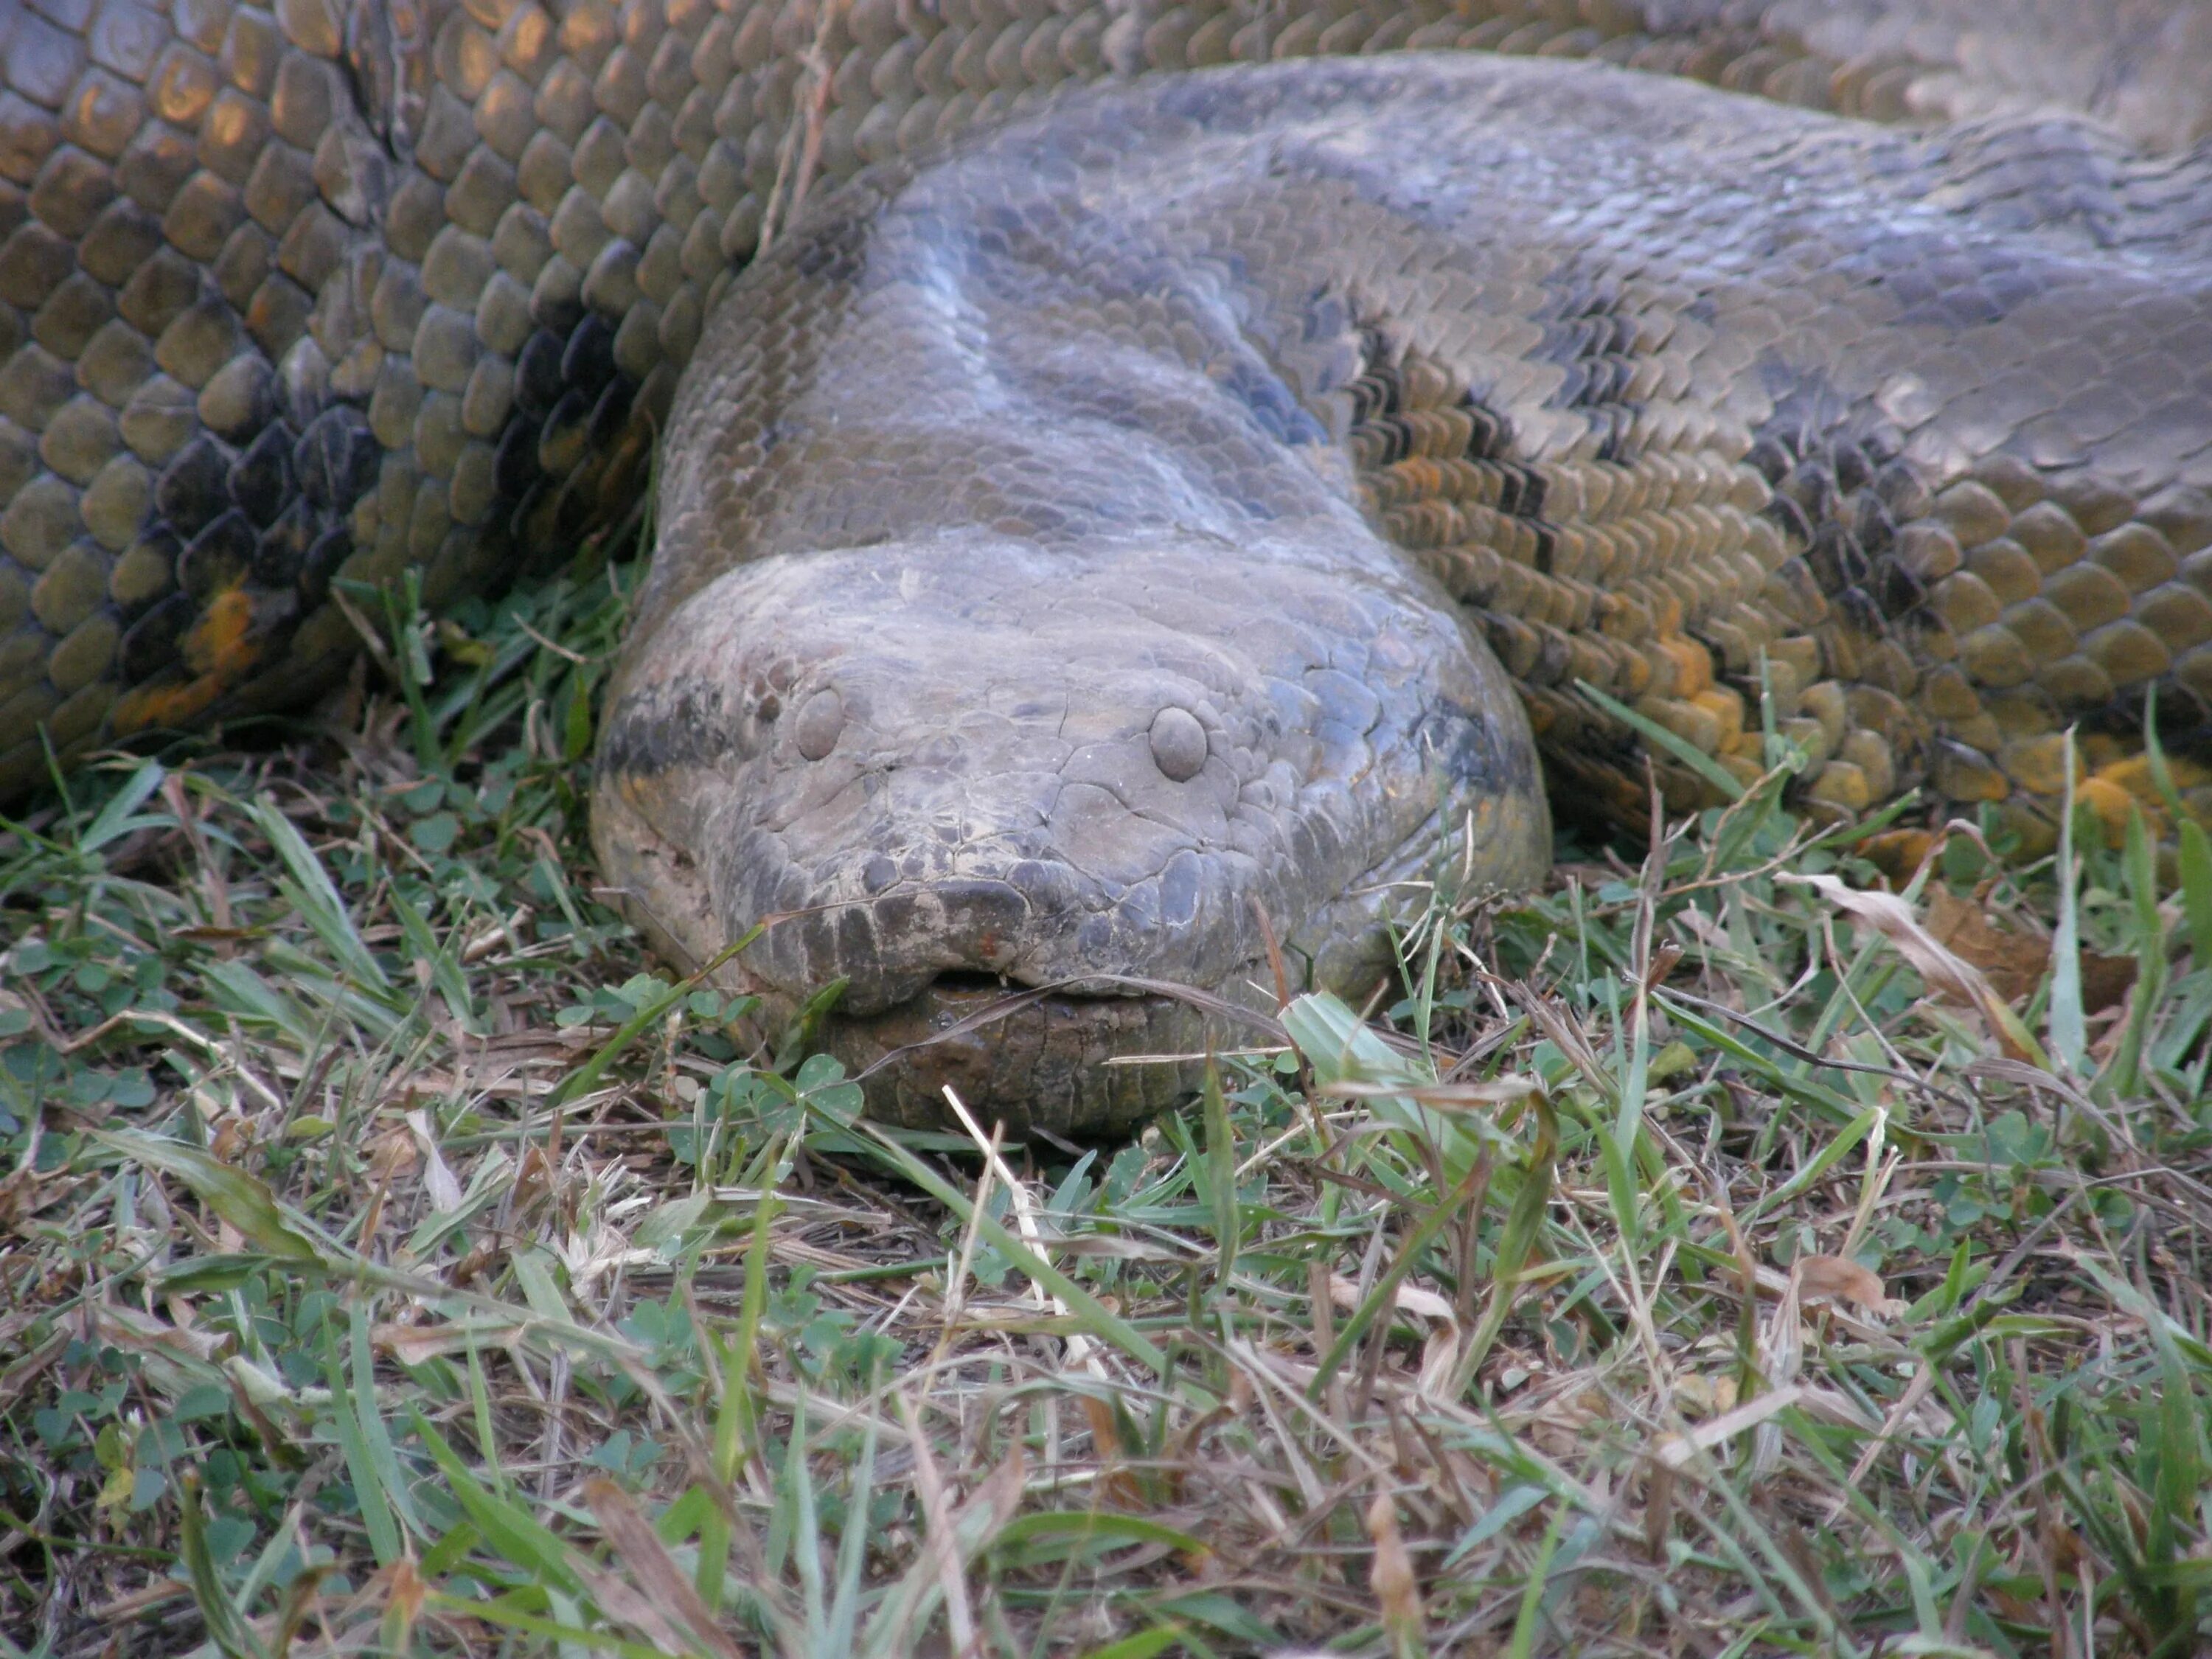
(2069, 1029)
(354, 1408)
(1668, 742)
(795, 1493)
(561, 1637)
(1143, 1645)
(1764, 1066)
(227, 1627)
(1340, 1047)
(238, 989)
(2149, 988)
(1524, 1224)
(242, 1200)
(1051, 1535)
(737, 1432)
(1381, 1297)
(853, 1546)
(1816, 1168)
(445, 973)
(2194, 860)
(506, 1524)
(121, 816)
(1522, 1642)
(1108, 1328)
(585, 1076)
(376, 1440)
(310, 888)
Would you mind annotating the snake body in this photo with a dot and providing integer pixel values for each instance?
(1123, 514)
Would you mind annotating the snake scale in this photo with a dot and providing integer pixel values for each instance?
(1126, 510)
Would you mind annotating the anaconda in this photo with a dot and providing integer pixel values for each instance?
(1153, 526)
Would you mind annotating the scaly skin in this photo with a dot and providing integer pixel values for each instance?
(1000, 464)
(1657, 384)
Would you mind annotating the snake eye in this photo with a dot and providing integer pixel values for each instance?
(1178, 744)
(818, 724)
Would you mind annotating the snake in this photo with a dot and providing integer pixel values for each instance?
(1138, 488)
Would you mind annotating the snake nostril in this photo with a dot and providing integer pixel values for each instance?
(1178, 744)
(818, 724)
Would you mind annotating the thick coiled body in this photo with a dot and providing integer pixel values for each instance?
(327, 289)
(1275, 404)
(1208, 401)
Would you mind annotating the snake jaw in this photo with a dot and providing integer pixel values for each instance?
(1055, 1060)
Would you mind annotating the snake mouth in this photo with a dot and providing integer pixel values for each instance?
(1053, 1060)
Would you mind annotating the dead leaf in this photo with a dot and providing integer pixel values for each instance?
(2014, 961)
(1832, 1405)
(1440, 1351)
(2106, 980)
(392, 1153)
(1838, 1278)
(1240, 1392)
(1944, 972)
(402, 1605)
(628, 1605)
(1664, 956)
(125, 1327)
(1116, 1482)
(1410, 1298)
(439, 1182)
(233, 1138)
(1700, 1395)
(534, 1180)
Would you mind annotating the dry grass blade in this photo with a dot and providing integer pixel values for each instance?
(653, 1571)
(941, 1555)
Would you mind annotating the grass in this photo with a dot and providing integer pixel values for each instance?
(392, 1260)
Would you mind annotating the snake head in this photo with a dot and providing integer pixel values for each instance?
(1031, 803)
